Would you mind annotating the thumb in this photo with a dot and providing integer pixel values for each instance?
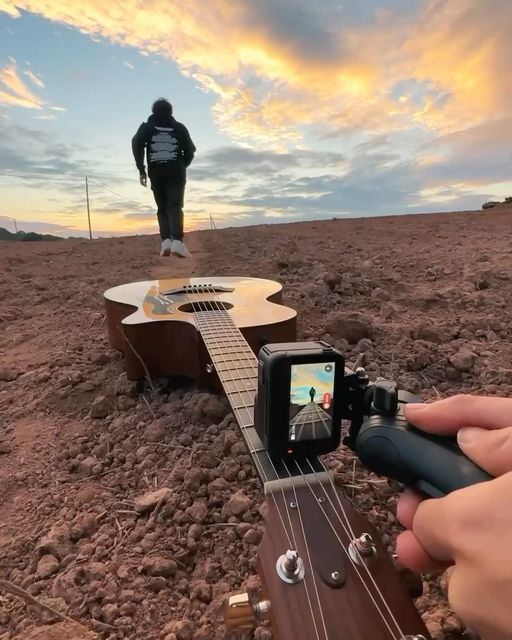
(491, 449)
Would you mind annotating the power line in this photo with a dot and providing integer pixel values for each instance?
(42, 177)
(139, 204)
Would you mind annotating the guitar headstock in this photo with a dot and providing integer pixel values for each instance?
(324, 570)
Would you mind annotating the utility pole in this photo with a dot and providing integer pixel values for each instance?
(15, 225)
(212, 223)
(88, 209)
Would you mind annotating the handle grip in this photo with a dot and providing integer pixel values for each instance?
(433, 465)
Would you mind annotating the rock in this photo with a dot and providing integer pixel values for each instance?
(57, 542)
(219, 484)
(8, 375)
(142, 453)
(239, 503)
(350, 325)
(388, 311)
(109, 613)
(157, 583)
(86, 467)
(124, 403)
(149, 500)
(195, 532)
(263, 633)
(100, 359)
(420, 358)
(5, 447)
(184, 630)
(430, 333)
(198, 512)
(253, 536)
(47, 566)
(100, 407)
(451, 372)
(332, 280)
(158, 565)
(206, 407)
(155, 432)
(463, 360)
(380, 294)
(125, 387)
(202, 591)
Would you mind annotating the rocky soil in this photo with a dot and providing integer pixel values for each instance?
(131, 515)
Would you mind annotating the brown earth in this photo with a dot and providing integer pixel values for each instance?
(422, 299)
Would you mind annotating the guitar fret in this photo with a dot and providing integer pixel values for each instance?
(243, 398)
(231, 386)
(233, 365)
(231, 349)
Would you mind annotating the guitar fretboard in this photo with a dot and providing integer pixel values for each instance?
(234, 361)
(237, 368)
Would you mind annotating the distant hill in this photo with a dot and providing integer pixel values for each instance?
(26, 236)
(496, 203)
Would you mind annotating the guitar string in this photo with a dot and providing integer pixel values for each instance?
(349, 525)
(346, 533)
(349, 532)
(354, 565)
(196, 306)
(253, 448)
(243, 343)
(227, 323)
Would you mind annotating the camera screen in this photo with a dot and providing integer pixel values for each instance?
(311, 397)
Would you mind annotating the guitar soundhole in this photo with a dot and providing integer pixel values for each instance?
(205, 305)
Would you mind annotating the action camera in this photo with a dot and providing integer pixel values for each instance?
(299, 403)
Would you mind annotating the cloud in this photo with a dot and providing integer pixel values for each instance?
(14, 92)
(331, 108)
(281, 67)
(128, 64)
(9, 9)
(34, 78)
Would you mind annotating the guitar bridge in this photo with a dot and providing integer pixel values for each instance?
(189, 289)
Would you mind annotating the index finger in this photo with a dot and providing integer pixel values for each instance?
(451, 414)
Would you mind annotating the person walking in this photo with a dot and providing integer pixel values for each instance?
(169, 151)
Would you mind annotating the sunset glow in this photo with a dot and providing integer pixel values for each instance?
(298, 111)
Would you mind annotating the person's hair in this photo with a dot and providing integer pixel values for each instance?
(162, 107)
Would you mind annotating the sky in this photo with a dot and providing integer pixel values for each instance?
(299, 110)
(305, 376)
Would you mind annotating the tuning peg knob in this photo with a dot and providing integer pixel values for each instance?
(241, 614)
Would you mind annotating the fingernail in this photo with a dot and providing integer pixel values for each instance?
(466, 435)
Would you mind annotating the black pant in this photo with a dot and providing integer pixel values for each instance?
(169, 196)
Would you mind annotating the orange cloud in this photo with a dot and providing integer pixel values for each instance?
(14, 92)
(278, 71)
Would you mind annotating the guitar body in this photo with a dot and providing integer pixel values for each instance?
(152, 322)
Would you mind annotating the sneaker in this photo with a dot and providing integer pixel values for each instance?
(179, 248)
(166, 247)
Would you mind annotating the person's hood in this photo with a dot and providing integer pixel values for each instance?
(161, 121)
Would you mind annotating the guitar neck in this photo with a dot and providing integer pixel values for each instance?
(237, 369)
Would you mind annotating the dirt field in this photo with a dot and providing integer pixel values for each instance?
(428, 302)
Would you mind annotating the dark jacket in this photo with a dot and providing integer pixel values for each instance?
(169, 148)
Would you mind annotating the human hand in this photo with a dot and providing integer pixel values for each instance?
(470, 527)
(143, 179)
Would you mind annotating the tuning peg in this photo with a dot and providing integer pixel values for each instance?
(241, 614)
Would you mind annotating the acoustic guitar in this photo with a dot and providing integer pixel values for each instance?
(325, 573)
